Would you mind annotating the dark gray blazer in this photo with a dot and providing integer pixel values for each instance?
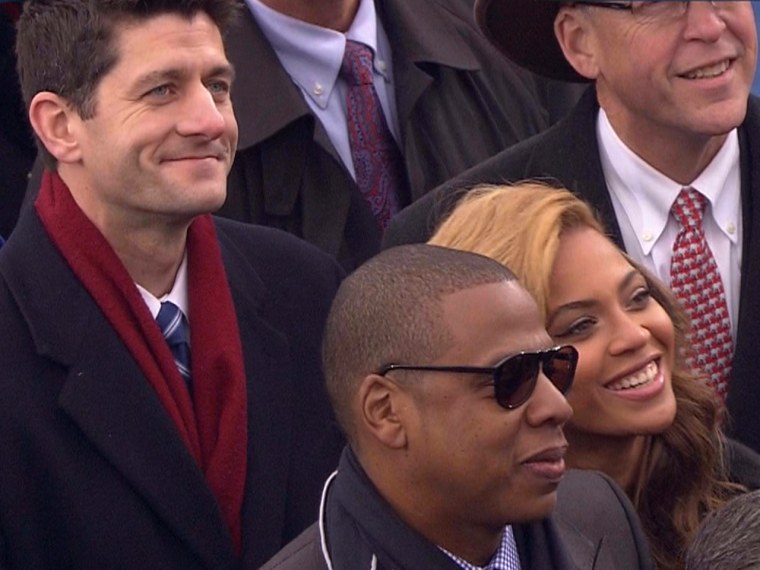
(593, 527)
(93, 473)
(568, 153)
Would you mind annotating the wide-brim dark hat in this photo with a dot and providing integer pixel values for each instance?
(523, 30)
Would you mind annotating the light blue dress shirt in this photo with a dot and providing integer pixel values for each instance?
(312, 56)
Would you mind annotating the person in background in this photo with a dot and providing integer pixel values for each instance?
(450, 391)
(351, 109)
(161, 399)
(638, 414)
(728, 537)
(17, 150)
(663, 145)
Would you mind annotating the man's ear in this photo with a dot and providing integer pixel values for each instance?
(382, 406)
(55, 122)
(573, 31)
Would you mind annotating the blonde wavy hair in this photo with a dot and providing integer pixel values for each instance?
(682, 476)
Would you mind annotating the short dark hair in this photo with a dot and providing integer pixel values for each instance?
(67, 46)
(388, 310)
(728, 538)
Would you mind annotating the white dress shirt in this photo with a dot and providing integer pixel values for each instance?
(178, 295)
(642, 198)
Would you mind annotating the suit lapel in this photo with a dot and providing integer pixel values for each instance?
(260, 77)
(116, 409)
(573, 158)
(417, 52)
(293, 176)
(108, 398)
(743, 395)
(541, 547)
(269, 371)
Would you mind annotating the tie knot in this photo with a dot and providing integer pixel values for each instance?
(689, 208)
(173, 324)
(356, 68)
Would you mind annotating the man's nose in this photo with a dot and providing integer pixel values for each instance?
(705, 20)
(201, 114)
(547, 404)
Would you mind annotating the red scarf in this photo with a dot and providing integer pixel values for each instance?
(215, 427)
(12, 9)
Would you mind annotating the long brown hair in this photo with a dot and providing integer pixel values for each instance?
(682, 475)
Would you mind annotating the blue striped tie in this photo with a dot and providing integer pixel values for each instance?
(176, 331)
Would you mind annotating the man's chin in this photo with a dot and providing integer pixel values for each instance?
(539, 509)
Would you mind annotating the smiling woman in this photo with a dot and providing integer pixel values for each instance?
(638, 414)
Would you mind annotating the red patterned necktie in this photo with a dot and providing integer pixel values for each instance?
(697, 284)
(377, 160)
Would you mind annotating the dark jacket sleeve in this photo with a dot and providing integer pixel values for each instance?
(3, 555)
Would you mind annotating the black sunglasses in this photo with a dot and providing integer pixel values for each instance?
(515, 377)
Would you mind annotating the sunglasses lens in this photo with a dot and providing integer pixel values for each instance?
(517, 378)
(518, 374)
(559, 367)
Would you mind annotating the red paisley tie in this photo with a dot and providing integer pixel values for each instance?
(377, 160)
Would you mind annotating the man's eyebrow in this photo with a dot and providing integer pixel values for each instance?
(176, 74)
(154, 78)
(226, 71)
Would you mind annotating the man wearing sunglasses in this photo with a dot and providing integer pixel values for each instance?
(665, 144)
(450, 393)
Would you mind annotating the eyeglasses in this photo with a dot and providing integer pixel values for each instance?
(515, 377)
(654, 10)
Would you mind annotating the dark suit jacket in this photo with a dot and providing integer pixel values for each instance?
(593, 527)
(459, 102)
(569, 154)
(93, 473)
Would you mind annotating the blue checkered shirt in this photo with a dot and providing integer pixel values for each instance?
(506, 558)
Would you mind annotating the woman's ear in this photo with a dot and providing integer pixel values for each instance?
(574, 33)
(383, 405)
(54, 122)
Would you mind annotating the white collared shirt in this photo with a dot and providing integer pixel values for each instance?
(642, 198)
(178, 295)
(312, 56)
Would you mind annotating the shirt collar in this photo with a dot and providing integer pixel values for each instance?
(647, 195)
(315, 70)
(720, 183)
(178, 295)
(505, 558)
